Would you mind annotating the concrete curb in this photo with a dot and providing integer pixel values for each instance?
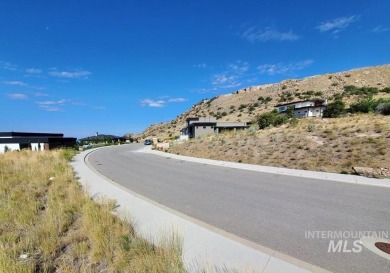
(354, 179)
(203, 246)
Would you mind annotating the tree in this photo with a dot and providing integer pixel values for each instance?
(271, 118)
(367, 105)
(334, 109)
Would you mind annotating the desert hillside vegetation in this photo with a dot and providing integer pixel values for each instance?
(246, 104)
(49, 224)
(319, 144)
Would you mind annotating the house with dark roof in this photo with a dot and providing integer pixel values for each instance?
(15, 141)
(198, 126)
(306, 108)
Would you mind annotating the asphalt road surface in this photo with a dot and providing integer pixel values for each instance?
(280, 212)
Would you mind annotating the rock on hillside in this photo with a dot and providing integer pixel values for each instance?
(245, 104)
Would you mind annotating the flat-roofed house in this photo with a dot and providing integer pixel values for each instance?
(15, 141)
(198, 126)
(307, 108)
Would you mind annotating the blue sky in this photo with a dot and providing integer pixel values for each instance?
(81, 67)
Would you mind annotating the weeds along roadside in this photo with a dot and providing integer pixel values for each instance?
(49, 224)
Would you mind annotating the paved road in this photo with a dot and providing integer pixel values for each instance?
(275, 211)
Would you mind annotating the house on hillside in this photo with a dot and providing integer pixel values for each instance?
(198, 126)
(15, 141)
(306, 108)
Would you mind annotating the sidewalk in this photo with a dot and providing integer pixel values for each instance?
(203, 246)
(355, 179)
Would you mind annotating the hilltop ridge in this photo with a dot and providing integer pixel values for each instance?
(246, 103)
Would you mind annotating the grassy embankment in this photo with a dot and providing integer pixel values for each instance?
(331, 145)
(49, 224)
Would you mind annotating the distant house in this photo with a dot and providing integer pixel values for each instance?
(34, 141)
(198, 126)
(307, 108)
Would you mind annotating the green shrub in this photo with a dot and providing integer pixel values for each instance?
(334, 109)
(311, 128)
(294, 122)
(242, 106)
(271, 119)
(360, 91)
(367, 105)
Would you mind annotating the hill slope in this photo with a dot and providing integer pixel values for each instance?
(245, 104)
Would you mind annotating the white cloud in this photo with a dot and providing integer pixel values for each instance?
(380, 29)
(231, 77)
(8, 66)
(253, 34)
(17, 83)
(52, 105)
(202, 65)
(99, 107)
(161, 102)
(177, 100)
(71, 74)
(201, 90)
(51, 102)
(153, 103)
(50, 108)
(41, 94)
(282, 68)
(78, 103)
(33, 70)
(17, 96)
(337, 25)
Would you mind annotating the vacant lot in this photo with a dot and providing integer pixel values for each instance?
(329, 145)
(48, 224)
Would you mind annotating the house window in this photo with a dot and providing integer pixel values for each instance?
(282, 108)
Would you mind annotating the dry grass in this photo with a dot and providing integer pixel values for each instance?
(48, 224)
(331, 145)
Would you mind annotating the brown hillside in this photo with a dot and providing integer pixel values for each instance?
(245, 104)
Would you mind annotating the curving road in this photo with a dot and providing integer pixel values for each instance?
(275, 211)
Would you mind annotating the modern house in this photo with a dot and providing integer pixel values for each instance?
(197, 126)
(307, 108)
(34, 141)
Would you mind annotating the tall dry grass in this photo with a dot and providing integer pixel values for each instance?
(330, 145)
(49, 224)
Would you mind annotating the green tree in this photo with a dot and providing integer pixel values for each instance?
(334, 109)
(367, 105)
(271, 119)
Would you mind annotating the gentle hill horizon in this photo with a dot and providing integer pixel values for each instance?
(245, 104)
